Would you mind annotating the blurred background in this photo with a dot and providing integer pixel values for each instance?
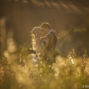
(70, 18)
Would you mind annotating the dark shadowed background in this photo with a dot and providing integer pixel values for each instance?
(70, 18)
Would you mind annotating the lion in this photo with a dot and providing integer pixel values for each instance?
(44, 42)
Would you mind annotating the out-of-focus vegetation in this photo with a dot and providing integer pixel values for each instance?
(21, 73)
(17, 70)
